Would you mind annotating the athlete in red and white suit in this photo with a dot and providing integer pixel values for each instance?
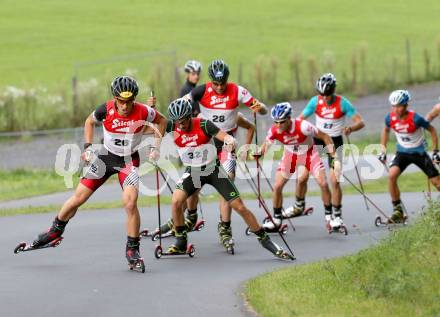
(123, 123)
(219, 102)
(297, 137)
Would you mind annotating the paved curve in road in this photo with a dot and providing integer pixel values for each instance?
(87, 274)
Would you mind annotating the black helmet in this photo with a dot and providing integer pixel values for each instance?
(218, 71)
(193, 66)
(124, 87)
(326, 84)
(179, 109)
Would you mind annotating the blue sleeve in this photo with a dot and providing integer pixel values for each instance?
(310, 107)
(420, 121)
(388, 120)
(347, 108)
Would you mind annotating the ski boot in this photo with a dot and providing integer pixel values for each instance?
(398, 217)
(225, 237)
(335, 224)
(165, 230)
(296, 211)
(48, 239)
(180, 247)
(190, 221)
(275, 249)
(135, 261)
(275, 225)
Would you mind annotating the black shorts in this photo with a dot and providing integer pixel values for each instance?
(194, 178)
(338, 141)
(108, 164)
(423, 161)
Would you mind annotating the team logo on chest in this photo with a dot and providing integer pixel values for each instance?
(328, 112)
(401, 127)
(189, 140)
(218, 102)
(290, 139)
(122, 126)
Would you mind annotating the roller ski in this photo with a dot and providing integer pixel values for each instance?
(275, 249)
(398, 218)
(49, 239)
(272, 227)
(180, 247)
(135, 261)
(292, 212)
(225, 237)
(191, 223)
(335, 224)
(24, 247)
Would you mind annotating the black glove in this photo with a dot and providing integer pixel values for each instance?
(382, 157)
(436, 157)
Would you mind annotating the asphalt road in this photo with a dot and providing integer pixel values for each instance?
(87, 274)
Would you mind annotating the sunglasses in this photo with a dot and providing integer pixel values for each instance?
(280, 122)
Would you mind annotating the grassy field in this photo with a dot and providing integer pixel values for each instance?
(398, 277)
(268, 45)
(22, 183)
(42, 41)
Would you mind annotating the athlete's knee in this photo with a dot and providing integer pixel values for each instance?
(436, 182)
(278, 188)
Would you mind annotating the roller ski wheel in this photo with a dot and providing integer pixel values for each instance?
(199, 225)
(145, 233)
(337, 229)
(137, 265)
(24, 247)
(247, 231)
(229, 246)
(378, 222)
(190, 251)
(285, 256)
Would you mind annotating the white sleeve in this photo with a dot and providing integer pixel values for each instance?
(244, 95)
(308, 129)
(151, 114)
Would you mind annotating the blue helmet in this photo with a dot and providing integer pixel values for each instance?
(281, 111)
(399, 97)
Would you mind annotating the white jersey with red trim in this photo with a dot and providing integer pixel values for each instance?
(222, 109)
(297, 138)
(123, 134)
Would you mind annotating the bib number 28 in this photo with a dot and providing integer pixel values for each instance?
(216, 118)
(120, 142)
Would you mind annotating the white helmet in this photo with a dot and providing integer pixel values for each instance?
(399, 97)
(193, 67)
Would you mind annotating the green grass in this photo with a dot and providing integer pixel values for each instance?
(42, 41)
(45, 43)
(23, 183)
(398, 277)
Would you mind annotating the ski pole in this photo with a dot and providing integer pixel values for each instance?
(266, 210)
(158, 202)
(162, 174)
(271, 188)
(257, 156)
(357, 171)
(367, 198)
